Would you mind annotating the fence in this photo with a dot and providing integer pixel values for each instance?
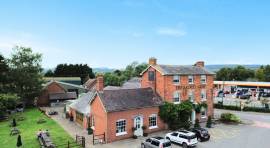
(99, 139)
(79, 143)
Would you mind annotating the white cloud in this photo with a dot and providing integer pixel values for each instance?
(175, 32)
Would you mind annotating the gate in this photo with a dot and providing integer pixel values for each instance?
(99, 139)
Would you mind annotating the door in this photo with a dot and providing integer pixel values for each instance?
(138, 123)
(193, 116)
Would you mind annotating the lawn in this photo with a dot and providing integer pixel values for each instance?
(29, 128)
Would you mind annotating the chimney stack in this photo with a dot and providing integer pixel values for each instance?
(100, 82)
(200, 64)
(152, 61)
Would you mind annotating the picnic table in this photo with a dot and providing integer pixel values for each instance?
(14, 131)
(45, 140)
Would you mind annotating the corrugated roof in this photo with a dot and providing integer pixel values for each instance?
(61, 96)
(82, 104)
(126, 99)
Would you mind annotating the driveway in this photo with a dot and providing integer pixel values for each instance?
(255, 132)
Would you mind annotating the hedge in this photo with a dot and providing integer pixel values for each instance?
(237, 108)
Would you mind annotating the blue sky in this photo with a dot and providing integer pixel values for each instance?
(113, 33)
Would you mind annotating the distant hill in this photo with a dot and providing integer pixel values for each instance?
(102, 70)
(215, 68)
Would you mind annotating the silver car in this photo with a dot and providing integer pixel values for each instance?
(156, 142)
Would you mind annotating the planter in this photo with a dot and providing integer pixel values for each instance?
(145, 134)
(135, 137)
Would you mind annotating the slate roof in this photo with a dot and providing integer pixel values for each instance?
(182, 70)
(127, 99)
(132, 83)
(82, 104)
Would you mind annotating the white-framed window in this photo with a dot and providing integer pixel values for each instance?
(190, 79)
(203, 112)
(203, 94)
(176, 97)
(121, 127)
(153, 121)
(176, 79)
(203, 79)
(191, 95)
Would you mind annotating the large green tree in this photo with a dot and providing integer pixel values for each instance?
(4, 70)
(239, 73)
(118, 77)
(26, 73)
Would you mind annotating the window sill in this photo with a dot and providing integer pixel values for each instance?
(153, 127)
(203, 117)
(177, 84)
(121, 134)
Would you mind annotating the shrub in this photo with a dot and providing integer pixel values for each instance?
(41, 120)
(197, 124)
(246, 108)
(229, 118)
(14, 124)
(209, 122)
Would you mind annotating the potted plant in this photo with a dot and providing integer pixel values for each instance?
(134, 137)
(133, 129)
(71, 118)
(144, 133)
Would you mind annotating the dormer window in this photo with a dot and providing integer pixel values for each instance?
(190, 79)
(176, 79)
(203, 79)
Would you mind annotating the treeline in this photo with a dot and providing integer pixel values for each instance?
(118, 77)
(240, 73)
(20, 78)
(72, 70)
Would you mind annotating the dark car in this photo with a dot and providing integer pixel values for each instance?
(244, 96)
(201, 134)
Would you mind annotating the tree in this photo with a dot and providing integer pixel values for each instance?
(14, 124)
(259, 74)
(19, 141)
(239, 73)
(7, 101)
(26, 73)
(4, 70)
(49, 73)
(267, 73)
(197, 124)
(176, 115)
(74, 70)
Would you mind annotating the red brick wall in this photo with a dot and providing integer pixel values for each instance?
(100, 117)
(43, 99)
(165, 87)
(129, 117)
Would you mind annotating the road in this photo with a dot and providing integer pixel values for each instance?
(254, 133)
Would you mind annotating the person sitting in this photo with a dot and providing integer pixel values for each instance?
(39, 133)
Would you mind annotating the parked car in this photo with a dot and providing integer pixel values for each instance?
(244, 96)
(156, 142)
(183, 137)
(201, 134)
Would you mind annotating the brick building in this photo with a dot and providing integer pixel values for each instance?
(175, 83)
(121, 112)
(116, 112)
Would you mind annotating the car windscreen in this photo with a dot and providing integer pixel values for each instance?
(167, 144)
(191, 137)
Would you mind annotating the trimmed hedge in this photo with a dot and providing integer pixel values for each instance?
(237, 108)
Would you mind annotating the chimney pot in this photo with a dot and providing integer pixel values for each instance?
(200, 64)
(152, 61)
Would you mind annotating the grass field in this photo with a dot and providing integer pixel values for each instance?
(29, 128)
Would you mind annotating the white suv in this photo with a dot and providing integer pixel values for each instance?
(183, 137)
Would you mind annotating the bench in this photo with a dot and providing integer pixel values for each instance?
(45, 141)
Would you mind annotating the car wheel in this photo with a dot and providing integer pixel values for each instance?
(199, 139)
(184, 145)
(142, 146)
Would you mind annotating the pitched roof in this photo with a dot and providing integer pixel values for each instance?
(82, 104)
(180, 70)
(61, 96)
(90, 84)
(132, 83)
(64, 85)
(126, 99)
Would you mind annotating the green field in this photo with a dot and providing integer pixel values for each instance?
(29, 128)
